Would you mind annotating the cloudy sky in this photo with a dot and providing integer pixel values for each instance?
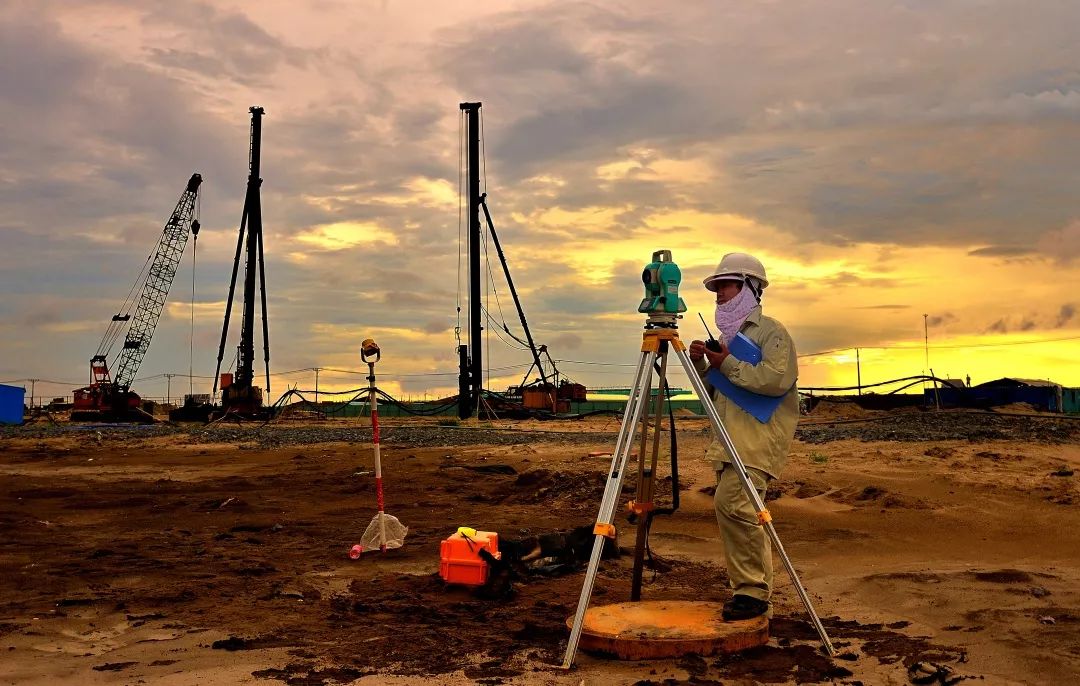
(885, 160)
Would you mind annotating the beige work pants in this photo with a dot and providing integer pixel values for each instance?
(746, 545)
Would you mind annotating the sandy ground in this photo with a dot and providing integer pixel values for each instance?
(175, 559)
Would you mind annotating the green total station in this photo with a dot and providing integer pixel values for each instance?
(661, 278)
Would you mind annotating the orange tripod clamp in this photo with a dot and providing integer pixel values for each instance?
(604, 529)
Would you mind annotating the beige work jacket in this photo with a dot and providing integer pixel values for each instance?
(762, 446)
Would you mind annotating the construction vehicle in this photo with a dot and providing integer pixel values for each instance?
(109, 396)
(545, 394)
(239, 396)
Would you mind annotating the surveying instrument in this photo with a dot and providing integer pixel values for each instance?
(662, 307)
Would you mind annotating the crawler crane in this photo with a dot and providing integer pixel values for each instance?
(109, 396)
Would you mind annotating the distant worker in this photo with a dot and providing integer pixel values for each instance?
(738, 282)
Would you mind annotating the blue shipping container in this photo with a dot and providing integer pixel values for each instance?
(11, 404)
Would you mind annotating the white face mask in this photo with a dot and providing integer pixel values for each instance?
(731, 315)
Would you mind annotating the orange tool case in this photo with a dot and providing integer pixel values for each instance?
(460, 561)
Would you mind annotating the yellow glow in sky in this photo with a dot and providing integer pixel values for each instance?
(343, 235)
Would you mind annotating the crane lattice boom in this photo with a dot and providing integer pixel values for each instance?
(155, 290)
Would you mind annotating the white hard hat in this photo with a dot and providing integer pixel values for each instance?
(738, 266)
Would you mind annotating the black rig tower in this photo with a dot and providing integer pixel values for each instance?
(242, 396)
(470, 375)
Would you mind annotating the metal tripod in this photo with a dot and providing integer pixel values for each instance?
(661, 334)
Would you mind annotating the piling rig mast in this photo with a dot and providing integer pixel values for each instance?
(110, 397)
(470, 373)
(239, 395)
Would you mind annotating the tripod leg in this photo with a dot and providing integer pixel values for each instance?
(763, 514)
(647, 475)
(634, 406)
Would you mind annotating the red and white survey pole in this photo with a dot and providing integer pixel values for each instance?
(369, 349)
(384, 531)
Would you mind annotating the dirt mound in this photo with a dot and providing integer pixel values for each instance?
(800, 488)
(1004, 576)
(940, 452)
(876, 496)
(553, 486)
(1022, 408)
(836, 408)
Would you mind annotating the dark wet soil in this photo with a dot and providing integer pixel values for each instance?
(259, 554)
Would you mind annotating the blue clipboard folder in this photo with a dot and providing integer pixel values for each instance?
(760, 407)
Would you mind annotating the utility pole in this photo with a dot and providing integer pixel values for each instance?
(317, 370)
(926, 339)
(858, 371)
(168, 393)
(33, 382)
(926, 347)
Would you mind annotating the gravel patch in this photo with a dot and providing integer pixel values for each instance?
(946, 426)
(273, 436)
(907, 427)
(413, 436)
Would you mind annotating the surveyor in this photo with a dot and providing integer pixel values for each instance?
(738, 282)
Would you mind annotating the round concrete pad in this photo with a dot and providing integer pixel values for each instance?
(667, 628)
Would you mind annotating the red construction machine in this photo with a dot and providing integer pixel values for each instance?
(109, 396)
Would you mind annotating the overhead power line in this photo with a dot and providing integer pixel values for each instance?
(591, 363)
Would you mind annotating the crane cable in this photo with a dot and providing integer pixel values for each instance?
(487, 255)
(485, 306)
(116, 324)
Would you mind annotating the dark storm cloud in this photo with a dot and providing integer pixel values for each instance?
(566, 341)
(939, 319)
(103, 139)
(1001, 251)
(899, 124)
(575, 97)
(1065, 315)
(401, 297)
(901, 142)
(1062, 245)
(851, 279)
(434, 326)
(575, 302)
(229, 45)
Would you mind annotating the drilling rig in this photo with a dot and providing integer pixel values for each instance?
(109, 397)
(239, 396)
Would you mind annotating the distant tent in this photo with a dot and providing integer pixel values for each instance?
(1072, 400)
(1040, 393)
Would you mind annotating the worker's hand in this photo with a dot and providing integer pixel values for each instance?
(716, 357)
(697, 350)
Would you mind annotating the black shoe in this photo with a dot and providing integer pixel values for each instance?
(744, 607)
